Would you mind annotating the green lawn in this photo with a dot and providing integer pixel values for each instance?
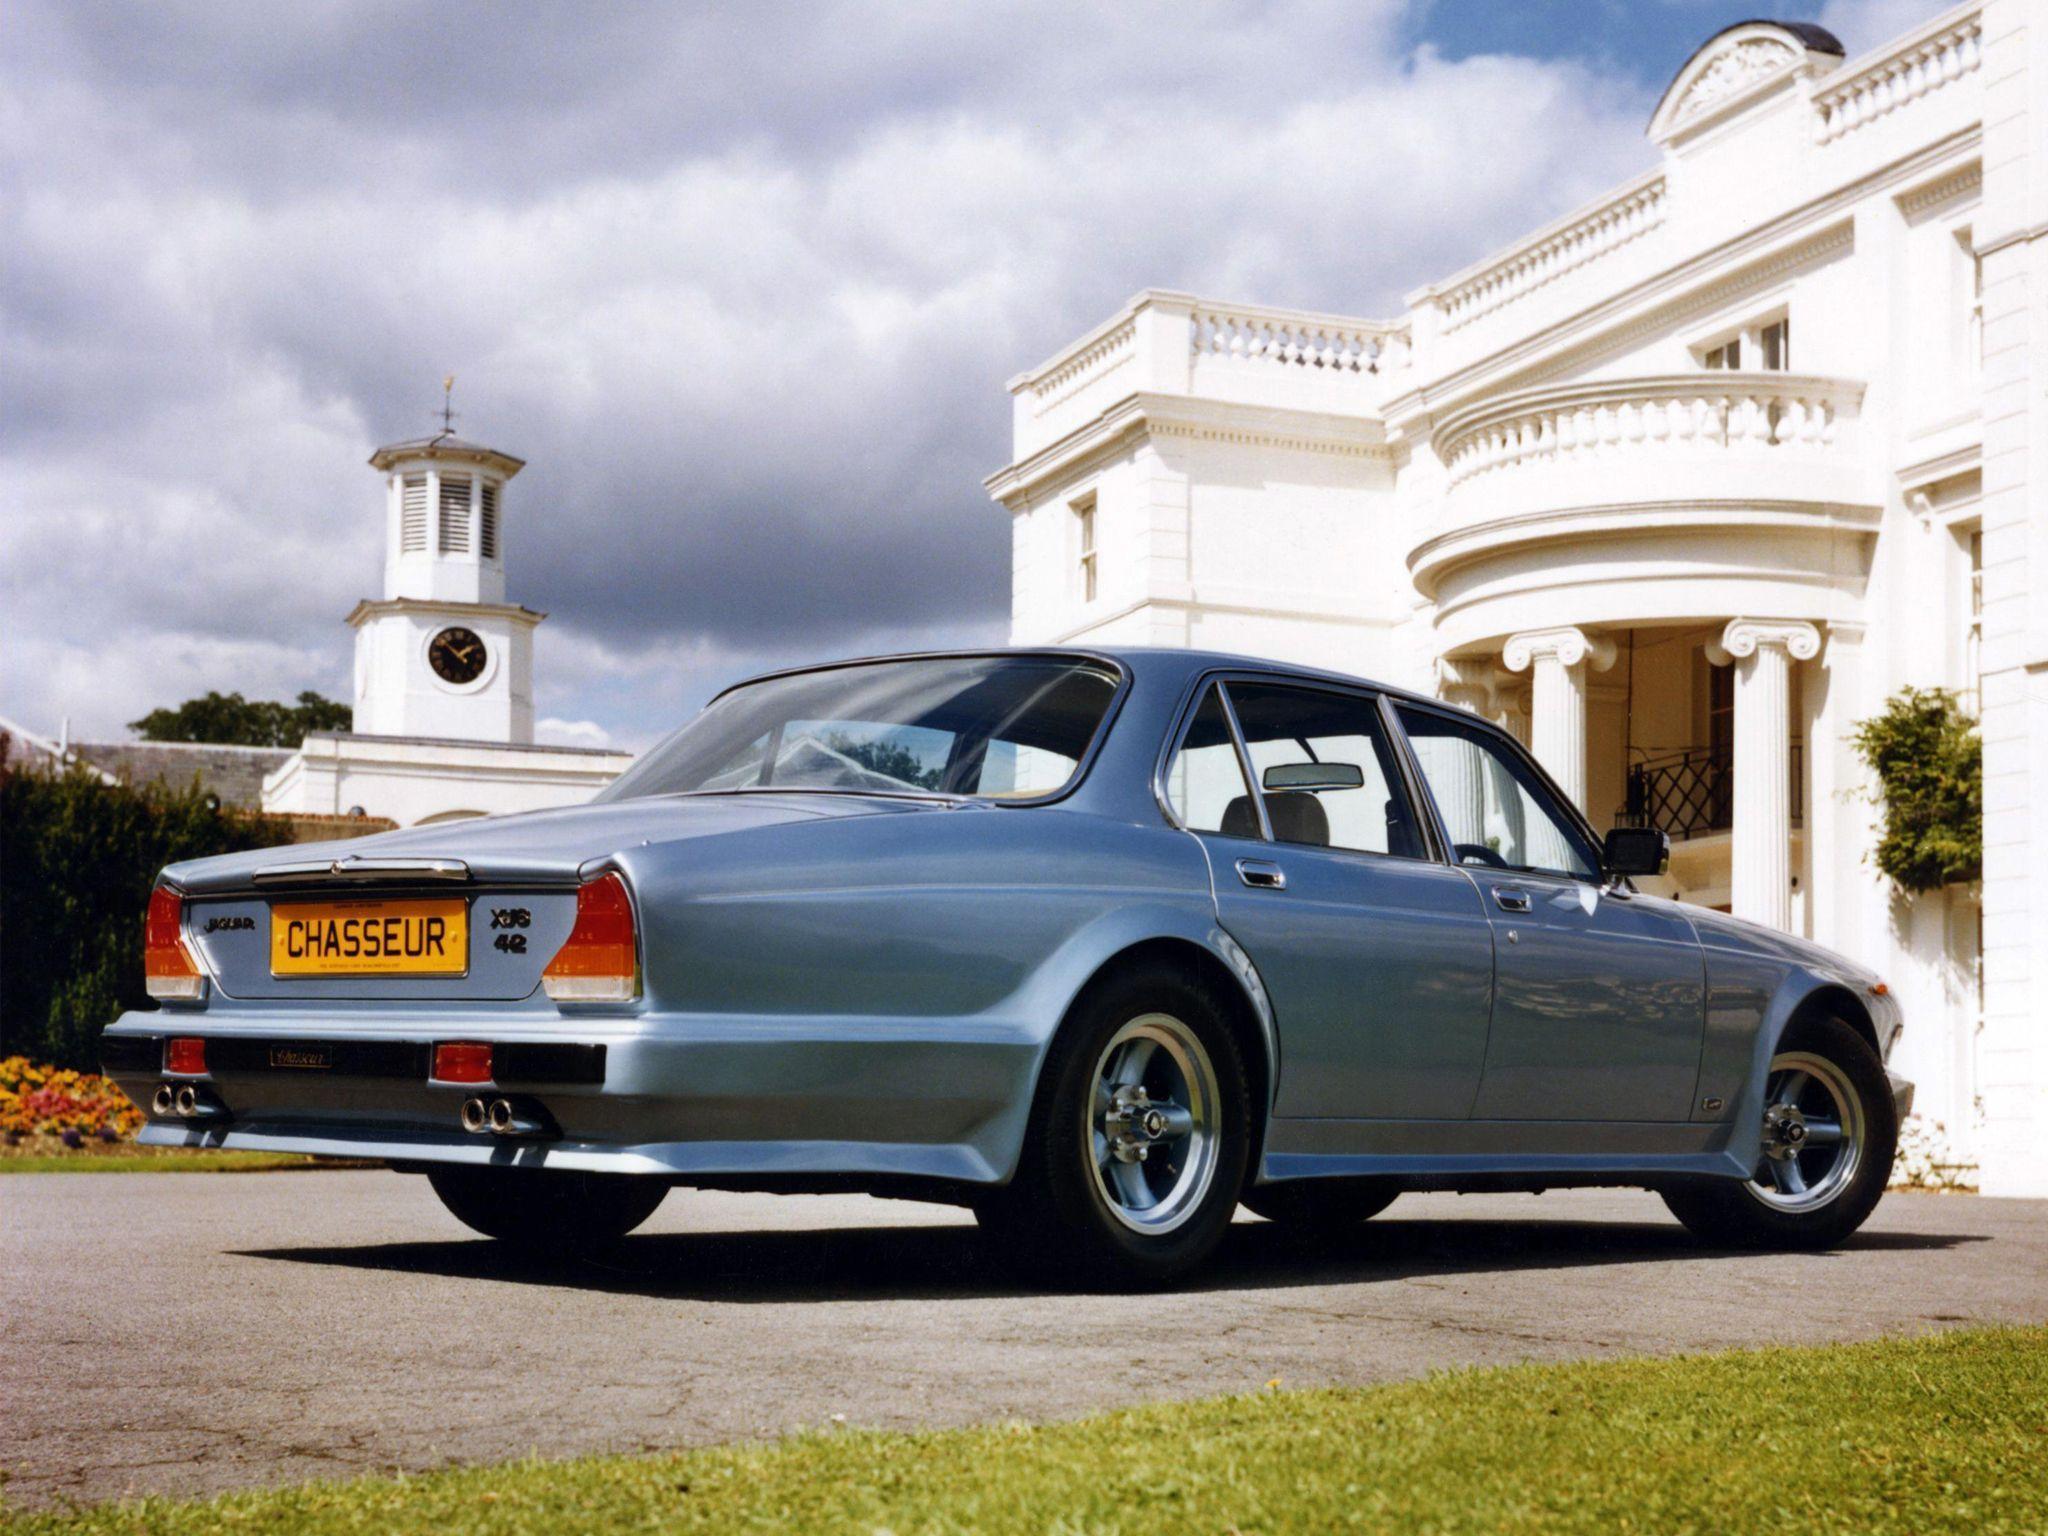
(1947, 1433)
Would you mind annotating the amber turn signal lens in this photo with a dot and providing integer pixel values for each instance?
(169, 970)
(185, 1055)
(462, 1061)
(600, 963)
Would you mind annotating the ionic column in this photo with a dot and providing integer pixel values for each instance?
(1762, 652)
(1460, 776)
(1557, 661)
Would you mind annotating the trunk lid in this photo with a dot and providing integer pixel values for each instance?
(297, 922)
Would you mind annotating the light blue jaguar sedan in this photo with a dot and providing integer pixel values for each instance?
(1100, 944)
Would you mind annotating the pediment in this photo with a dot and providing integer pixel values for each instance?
(1742, 62)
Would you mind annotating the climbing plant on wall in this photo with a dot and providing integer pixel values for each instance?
(1929, 762)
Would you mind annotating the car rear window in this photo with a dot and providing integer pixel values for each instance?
(993, 727)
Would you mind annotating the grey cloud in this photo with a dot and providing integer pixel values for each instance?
(742, 286)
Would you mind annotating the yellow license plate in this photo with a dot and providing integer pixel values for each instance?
(370, 938)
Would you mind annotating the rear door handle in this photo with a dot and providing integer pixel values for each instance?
(1262, 874)
(1510, 901)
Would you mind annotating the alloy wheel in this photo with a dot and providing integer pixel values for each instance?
(1153, 1131)
(1813, 1134)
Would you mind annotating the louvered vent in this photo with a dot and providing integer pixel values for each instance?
(487, 535)
(455, 515)
(412, 515)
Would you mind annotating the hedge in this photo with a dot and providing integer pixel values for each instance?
(77, 859)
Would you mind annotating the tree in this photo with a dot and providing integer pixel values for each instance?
(228, 719)
(78, 858)
(891, 759)
(1929, 764)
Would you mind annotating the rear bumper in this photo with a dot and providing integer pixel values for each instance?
(943, 1100)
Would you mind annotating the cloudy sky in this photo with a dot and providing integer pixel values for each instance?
(742, 283)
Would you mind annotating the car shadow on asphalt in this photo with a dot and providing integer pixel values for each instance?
(953, 1261)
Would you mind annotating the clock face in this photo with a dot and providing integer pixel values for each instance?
(457, 655)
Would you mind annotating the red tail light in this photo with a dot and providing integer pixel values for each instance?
(462, 1061)
(185, 1056)
(169, 969)
(600, 963)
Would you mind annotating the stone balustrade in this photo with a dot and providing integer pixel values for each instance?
(1922, 63)
(1177, 344)
(1103, 353)
(1610, 500)
(1586, 236)
(1740, 413)
(1280, 339)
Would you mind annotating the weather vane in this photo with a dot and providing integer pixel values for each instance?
(448, 403)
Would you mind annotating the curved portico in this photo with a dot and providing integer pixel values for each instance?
(1659, 500)
(1728, 516)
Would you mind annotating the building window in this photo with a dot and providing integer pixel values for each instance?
(1973, 637)
(1721, 746)
(1721, 713)
(487, 520)
(1971, 282)
(1766, 345)
(1084, 521)
(412, 514)
(455, 514)
(1775, 342)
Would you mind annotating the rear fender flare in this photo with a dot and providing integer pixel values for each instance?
(1069, 972)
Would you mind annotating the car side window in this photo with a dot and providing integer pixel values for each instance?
(1326, 769)
(1205, 781)
(1499, 813)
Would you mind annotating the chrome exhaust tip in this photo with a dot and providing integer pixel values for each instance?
(510, 1119)
(165, 1102)
(193, 1102)
(476, 1118)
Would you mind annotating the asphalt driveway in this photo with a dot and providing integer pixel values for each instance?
(184, 1333)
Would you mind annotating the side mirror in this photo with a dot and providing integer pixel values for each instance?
(1635, 851)
(1314, 776)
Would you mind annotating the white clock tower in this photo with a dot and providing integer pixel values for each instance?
(442, 654)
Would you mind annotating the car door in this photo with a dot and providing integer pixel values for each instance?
(1599, 1000)
(1377, 957)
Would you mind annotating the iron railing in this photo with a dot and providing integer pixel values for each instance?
(1692, 793)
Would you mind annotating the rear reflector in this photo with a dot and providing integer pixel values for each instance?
(185, 1055)
(168, 969)
(600, 963)
(462, 1061)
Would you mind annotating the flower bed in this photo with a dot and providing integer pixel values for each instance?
(63, 1107)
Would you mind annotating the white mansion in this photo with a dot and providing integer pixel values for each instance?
(1681, 487)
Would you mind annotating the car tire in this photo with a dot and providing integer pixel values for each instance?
(1138, 1141)
(1307, 1205)
(1823, 1075)
(547, 1211)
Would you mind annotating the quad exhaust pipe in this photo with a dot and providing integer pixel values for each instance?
(503, 1117)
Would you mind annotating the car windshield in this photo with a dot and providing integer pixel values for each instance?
(995, 727)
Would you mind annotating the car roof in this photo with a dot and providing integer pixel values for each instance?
(1138, 659)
